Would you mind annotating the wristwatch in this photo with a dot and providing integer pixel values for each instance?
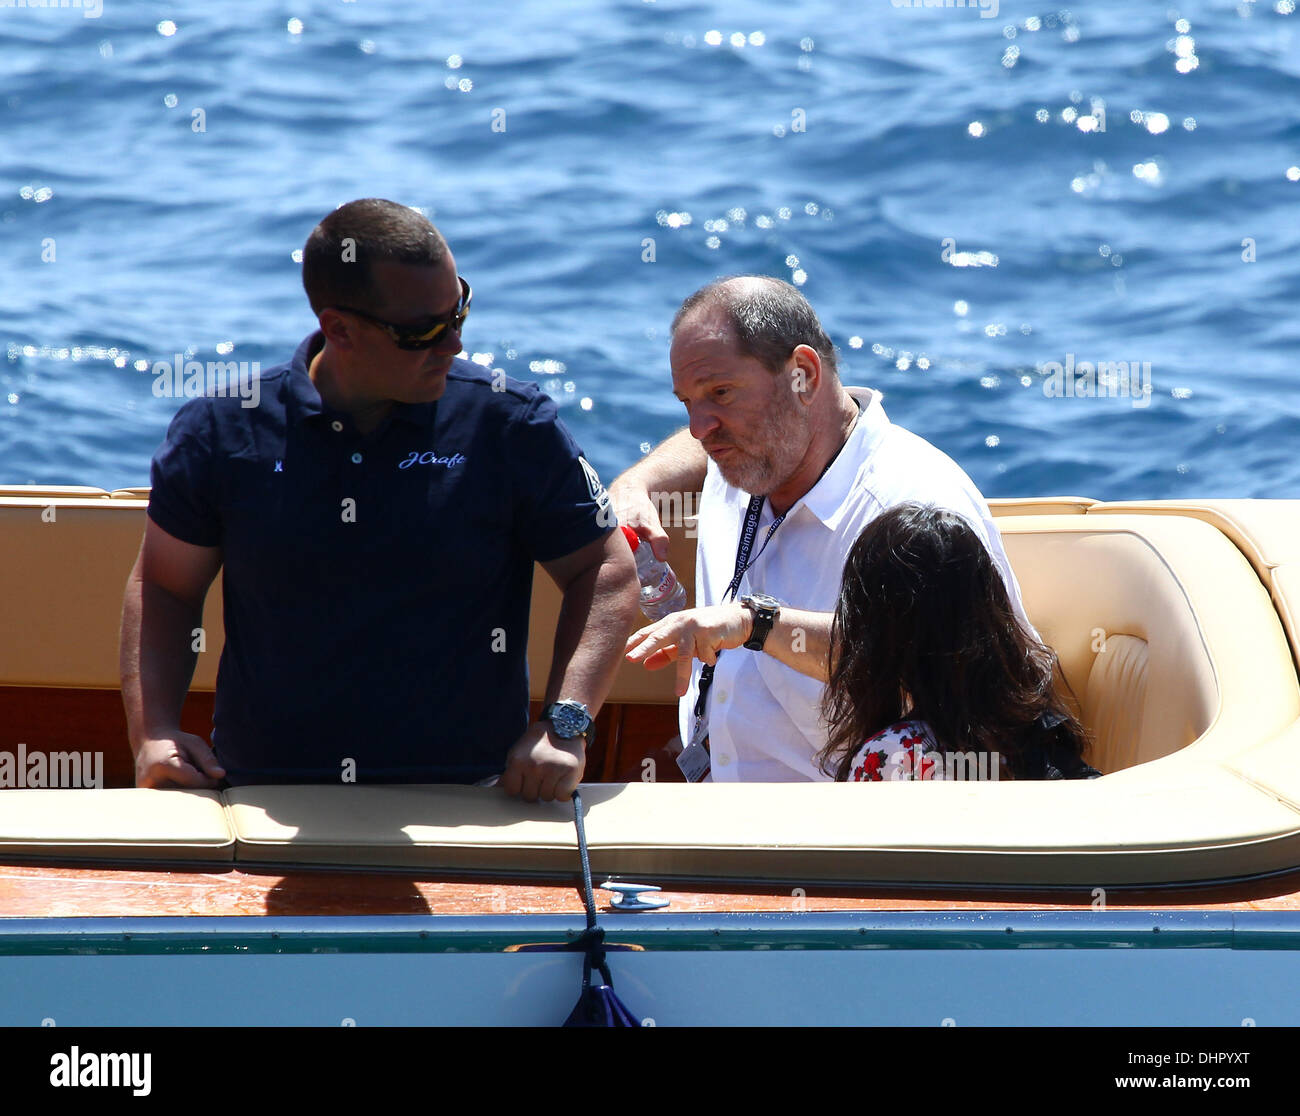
(765, 609)
(570, 719)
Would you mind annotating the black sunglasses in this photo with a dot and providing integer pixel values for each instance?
(426, 334)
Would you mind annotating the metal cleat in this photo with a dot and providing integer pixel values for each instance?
(628, 897)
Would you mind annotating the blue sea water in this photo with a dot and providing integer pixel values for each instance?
(964, 198)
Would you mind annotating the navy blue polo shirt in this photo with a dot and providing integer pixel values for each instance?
(376, 588)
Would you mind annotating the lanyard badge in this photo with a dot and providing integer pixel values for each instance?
(694, 759)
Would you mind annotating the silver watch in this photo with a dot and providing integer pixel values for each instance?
(571, 719)
(765, 609)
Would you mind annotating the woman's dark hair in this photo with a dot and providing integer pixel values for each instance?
(923, 610)
(338, 256)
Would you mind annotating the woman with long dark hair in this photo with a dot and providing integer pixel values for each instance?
(929, 662)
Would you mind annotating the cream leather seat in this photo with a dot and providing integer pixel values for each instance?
(1122, 624)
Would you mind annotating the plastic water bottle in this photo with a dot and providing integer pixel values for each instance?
(661, 593)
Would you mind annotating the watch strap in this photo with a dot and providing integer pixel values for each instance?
(764, 618)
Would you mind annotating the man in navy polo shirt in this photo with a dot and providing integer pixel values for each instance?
(377, 515)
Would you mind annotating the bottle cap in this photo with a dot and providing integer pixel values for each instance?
(632, 540)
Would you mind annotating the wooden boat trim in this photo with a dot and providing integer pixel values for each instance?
(48, 891)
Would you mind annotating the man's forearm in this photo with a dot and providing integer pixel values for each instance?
(595, 619)
(157, 657)
(677, 464)
(801, 640)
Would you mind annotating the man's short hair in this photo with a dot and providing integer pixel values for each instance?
(767, 316)
(335, 273)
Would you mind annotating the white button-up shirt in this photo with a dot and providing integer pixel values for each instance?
(765, 721)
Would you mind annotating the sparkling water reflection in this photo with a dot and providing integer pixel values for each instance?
(964, 200)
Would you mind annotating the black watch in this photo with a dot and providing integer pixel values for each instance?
(765, 609)
(569, 718)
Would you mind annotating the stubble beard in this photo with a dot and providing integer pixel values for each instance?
(772, 451)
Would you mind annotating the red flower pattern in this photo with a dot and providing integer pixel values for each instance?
(868, 771)
(896, 748)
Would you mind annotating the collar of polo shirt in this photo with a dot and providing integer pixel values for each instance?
(307, 403)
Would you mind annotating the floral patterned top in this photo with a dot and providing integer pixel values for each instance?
(901, 751)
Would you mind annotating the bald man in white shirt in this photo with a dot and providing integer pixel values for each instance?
(770, 419)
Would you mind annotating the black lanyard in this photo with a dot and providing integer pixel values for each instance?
(743, 561)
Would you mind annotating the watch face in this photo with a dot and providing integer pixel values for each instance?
(763, 600)
(569, 719)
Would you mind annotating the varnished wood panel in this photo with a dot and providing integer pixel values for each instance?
(644, 734)
(50, 719)
(47, 719)
(41, 892)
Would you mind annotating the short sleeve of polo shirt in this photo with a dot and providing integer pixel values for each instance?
(182, 498)
(561, 506)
